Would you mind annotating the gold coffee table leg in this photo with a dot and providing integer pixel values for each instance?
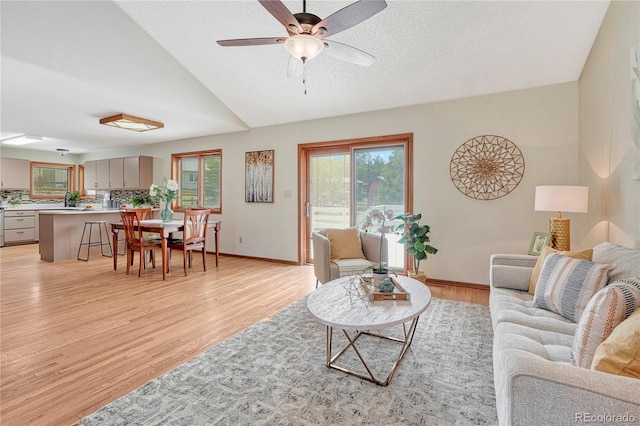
(406, 343)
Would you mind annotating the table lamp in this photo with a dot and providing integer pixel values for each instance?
(573, 199)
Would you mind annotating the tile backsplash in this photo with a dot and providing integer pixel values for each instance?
(122, 196)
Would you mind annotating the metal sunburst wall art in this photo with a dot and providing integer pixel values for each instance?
(487, 167)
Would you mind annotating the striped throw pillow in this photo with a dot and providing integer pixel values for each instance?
(608, 308)
(566, 285)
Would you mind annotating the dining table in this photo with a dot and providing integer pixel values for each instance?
(164, 229)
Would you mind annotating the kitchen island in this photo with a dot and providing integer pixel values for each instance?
(61, 231)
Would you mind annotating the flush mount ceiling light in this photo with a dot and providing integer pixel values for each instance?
(21, 140)
(131, 122)
(62, 151)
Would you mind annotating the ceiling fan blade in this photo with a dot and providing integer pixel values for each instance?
(295, 67)
(347, 17)
(348, 53)
(283, 15)
(251, 41)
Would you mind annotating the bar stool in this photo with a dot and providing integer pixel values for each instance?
(100, 224)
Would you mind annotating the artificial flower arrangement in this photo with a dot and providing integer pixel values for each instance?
(379, 217)
(167, 193)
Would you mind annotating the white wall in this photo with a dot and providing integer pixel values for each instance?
(542, 122)
(606, 148)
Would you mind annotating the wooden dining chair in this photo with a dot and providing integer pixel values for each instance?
(136, 241)
(194, 236)
(144, 213)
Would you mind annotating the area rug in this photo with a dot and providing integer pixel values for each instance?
(274, 373)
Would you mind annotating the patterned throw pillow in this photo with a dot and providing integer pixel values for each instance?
(566, 285)
(535, 274)
(608, 308)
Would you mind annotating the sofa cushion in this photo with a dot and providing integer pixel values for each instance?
(608, 308)
(625, 259)
(515, 307)
(345, 267)
(345, 243)
(566, 285)
(576, 254)
(620, 352)
(541, 344)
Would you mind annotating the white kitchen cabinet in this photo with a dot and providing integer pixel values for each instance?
(138, 172)
(102, 174)
(90, 170)
(16, 174)
(96, 174)
(119, 173)
(19, 226)
(116, 173)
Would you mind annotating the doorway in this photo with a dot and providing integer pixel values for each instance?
(341, 181)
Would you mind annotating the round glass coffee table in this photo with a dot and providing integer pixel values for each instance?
(344, 304)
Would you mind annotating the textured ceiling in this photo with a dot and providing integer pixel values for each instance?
(70, 62)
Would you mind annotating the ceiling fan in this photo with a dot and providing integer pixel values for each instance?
(308, 33)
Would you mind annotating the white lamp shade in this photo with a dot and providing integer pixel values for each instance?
(574, 199)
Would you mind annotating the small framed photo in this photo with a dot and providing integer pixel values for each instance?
(538, 242)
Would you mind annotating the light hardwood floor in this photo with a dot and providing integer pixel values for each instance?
(76, 335)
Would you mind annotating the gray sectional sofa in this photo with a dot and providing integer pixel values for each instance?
(535, 382)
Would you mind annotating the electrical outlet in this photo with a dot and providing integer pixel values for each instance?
(240, 240)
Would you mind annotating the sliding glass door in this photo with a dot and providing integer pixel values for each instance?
(344, 180)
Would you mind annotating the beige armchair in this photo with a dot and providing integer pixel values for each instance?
(327, 268)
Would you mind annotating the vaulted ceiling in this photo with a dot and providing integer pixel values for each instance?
(65, 65)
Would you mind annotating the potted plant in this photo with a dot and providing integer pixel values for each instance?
(71, 199)
(379, 216)
(141, 200)
(415, 238)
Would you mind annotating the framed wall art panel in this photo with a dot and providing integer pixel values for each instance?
(258, 176)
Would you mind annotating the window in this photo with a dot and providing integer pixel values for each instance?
(51, 180)
(199, 177)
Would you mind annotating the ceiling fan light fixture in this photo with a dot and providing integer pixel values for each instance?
(131, 122)
(304, 46)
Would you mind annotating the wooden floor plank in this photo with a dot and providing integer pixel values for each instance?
(77, 335)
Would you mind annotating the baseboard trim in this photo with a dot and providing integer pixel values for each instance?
(430, 281)
(265, 259)
(439, 282)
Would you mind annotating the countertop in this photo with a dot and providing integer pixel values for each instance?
(77, 210)
(36, 206)
(59, 208)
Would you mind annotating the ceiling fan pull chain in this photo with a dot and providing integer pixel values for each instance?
(304, 75)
